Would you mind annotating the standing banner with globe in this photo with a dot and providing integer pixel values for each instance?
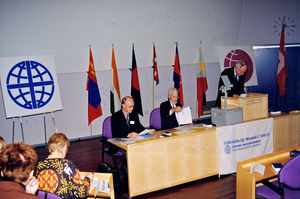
(29, 85)
(230, 55)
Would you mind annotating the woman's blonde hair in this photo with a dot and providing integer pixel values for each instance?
(57, 142)
(2, 143)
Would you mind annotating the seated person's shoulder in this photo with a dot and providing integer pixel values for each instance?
(116, 114)
(164, 103)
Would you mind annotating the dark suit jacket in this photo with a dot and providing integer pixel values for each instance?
(168, 121)
(238, 86)
(119, 126)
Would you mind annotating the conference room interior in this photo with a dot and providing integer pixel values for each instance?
(65, 30)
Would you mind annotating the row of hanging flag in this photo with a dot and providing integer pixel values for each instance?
(94, 99)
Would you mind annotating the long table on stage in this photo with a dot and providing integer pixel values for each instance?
(159, 163)
(164, 162)
(286, 130)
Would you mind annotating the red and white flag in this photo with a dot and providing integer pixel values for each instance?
(201, 83)
(282, 66)
(155, 70)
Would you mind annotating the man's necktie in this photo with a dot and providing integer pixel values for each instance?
(127, 120)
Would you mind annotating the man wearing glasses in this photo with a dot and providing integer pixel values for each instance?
(168, 109)
(125, 122)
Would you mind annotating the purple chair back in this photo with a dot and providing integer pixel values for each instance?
(106, 128)
(289, 177)
(47, 195)
(155, 120)
(290, 173)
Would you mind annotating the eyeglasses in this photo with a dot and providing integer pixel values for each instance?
(130, 106)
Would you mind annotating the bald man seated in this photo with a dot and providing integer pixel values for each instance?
(125, 122)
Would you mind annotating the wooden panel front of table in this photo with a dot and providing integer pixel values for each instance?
(246, 182)
(286, 131)
(255, 105)
(164, 162)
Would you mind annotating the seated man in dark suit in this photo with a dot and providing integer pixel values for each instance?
(236, 76)
(168, 109)
(125, 122)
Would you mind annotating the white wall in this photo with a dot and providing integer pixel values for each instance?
(66, 28)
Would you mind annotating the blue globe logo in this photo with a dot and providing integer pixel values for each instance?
(227, 149)
(30, 84)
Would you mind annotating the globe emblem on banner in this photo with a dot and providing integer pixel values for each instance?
(234, 56)
(30, 84)
(227, 149)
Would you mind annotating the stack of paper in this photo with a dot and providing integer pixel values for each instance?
(99, 185)
(258, 168)
(184, 116)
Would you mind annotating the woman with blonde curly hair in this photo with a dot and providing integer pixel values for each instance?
(17, 161)
(59, 175)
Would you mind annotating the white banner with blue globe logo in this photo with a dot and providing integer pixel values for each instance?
(243, 141)
(29, 85)
(230, 55)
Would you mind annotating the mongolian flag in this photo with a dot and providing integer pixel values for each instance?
(177, 77)
(155, 71)
(94, 107)
(135, 86)
(282, 70)
(201, 84)
(115, 98)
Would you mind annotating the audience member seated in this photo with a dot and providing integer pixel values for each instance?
(17, 161)
(168, 110)
(59, 175)
(2, 145)
(125, 122)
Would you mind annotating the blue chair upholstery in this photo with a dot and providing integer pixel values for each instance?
(287, 185)
(155, 119)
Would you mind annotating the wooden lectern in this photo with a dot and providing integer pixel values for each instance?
(255, 105)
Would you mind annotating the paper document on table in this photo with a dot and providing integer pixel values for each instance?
(258, 168)
(146, 131)
(184, 116)
(124, 141)
(183, 128)
(99, 185)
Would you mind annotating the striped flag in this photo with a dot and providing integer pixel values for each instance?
(177, 77)
(201, 83)
(115, 98)
(94, 99)
(282, 71)
(135, 86)
(155, 70)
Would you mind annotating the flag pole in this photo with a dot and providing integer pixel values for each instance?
(277, 86)
(153, 80)
(91, 129)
